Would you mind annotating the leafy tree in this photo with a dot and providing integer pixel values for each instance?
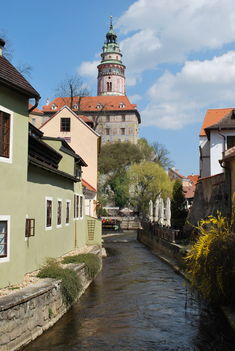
(161, 155)
(120, 186)
(72, 86)
(117, 156)
(178, 206)
(147, 151)
(147, 181)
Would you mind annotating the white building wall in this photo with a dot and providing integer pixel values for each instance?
(216, 150)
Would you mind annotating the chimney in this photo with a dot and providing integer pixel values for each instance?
(47, 102)
(2, 43)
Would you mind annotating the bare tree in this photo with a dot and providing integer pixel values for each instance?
(71, 87)
(162, 155)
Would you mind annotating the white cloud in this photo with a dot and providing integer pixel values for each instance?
(178, 100)
(88, 69)
(161, 31)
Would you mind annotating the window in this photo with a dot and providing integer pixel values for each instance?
(76, 206)
(48, 213)
(53, 106)
(122, 105)
(4, 134)
(75, 106)
(230, 141)
(109, 86)
(123, 118)
(59, 212)
(29, 227)
(122, 131)
(107, 131)
(67, 211)
(3, 238)
(81, 206)
(65, 124)
(107, 118)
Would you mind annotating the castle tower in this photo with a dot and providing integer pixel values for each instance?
(111, 71)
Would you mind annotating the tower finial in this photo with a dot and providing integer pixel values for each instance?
(111, 22)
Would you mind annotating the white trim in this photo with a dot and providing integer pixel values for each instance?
(81, 196)
(8, 219)
(67, 202)
(50, 199)
(59, 225)
(8, 159)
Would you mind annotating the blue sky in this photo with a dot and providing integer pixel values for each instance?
(180, 57)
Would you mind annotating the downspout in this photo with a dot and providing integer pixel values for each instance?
(35, 105)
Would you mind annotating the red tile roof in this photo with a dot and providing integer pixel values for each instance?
(36, 110)
(194, 178)
(10, 77)
(85, 118)
(88, 186)
(90, 103)
(213, 116)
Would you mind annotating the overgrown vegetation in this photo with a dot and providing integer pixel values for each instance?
(178, 207)
(210, 262)
(92, 262)
(70, 282)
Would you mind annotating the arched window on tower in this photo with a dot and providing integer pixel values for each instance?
(109, 86)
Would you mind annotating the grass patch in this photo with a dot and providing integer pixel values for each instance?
(70, 282)
(91, 260)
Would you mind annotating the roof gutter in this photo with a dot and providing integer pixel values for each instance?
(35, 105)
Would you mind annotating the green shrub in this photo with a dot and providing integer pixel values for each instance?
(211, 260)
(70, 283)
(92, 262)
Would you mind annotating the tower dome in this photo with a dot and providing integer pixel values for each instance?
(111, 71)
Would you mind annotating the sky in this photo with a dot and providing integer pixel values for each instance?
(179, 57)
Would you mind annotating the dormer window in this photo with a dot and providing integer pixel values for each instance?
(122, 105)
(75, 106)
(99, 106)
(53, 106)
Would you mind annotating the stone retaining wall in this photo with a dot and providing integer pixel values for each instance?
(26, 314)
(161, 246)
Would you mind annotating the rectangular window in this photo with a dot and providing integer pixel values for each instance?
(122, 131)
(65, 124)
(3, 238)
(107, 118)
(76, 206)
(59, 212)
(107, 131)
(230, 141)
(67, 212)
(81, 207)
(29, 227)
(48, 213)
(123, 118)
(4, 134)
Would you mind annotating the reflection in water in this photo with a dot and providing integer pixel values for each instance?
(137, 303)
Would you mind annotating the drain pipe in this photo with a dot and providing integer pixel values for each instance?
(35, 105)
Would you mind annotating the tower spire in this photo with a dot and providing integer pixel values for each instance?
(111, 71)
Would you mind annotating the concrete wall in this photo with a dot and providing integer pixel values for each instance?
(26, 314)
(13, 185)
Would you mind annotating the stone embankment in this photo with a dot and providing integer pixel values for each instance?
(26, 314)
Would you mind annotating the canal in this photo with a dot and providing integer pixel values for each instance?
(137, 303)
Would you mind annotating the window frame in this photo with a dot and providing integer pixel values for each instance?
(8, 159)
(67, 208)
(81, 206)
(76, 206)
(6, 258)
(46, 226)
(63, 126)
(29, 227)
(59, 225)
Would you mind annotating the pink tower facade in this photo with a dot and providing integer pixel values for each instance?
(111, 71)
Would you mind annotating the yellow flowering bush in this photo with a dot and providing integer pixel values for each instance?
(211, 260)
